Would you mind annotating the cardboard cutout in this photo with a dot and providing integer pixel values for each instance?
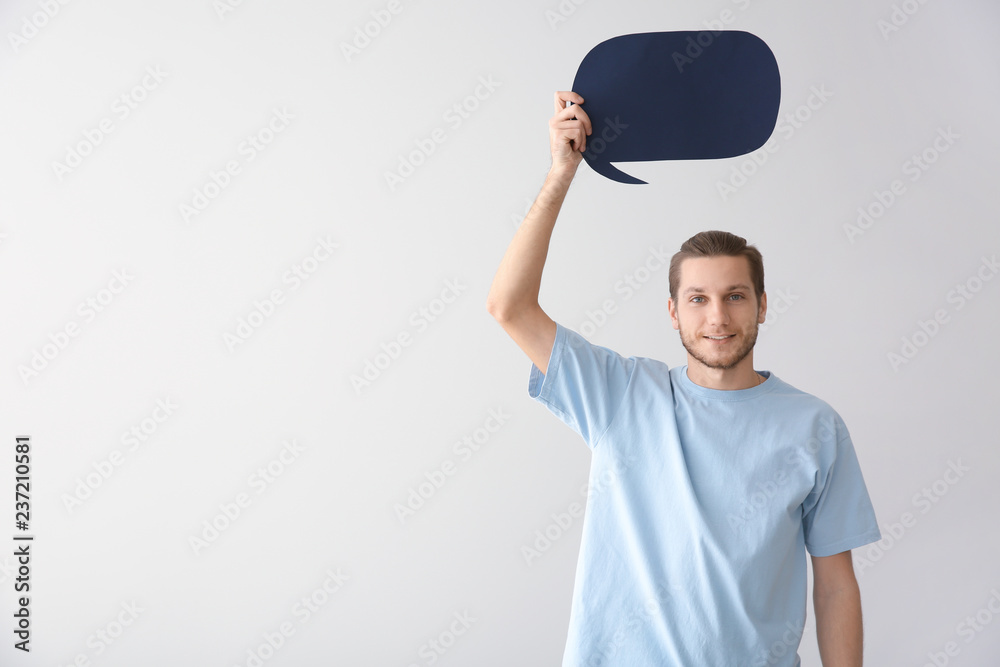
(677, 96)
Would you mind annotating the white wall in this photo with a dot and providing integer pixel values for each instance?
(161, 335)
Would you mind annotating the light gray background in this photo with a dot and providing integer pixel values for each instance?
(332, 508)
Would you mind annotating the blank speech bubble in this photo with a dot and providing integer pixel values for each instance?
(686, 95)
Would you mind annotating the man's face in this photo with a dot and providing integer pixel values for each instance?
(716, 311)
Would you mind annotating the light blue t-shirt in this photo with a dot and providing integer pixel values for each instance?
(701, 505)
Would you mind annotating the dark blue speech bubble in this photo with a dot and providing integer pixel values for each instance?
(687, 95)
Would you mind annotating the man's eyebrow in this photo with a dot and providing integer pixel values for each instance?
(731, 288)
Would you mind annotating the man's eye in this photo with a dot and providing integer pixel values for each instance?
(695, 299)
(736, 296)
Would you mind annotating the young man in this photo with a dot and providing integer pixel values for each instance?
(708, 481)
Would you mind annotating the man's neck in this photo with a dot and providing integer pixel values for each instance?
(742, 376)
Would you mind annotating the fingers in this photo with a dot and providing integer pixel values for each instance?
(574, 113)
(570, 125)
(563, 112)
(564, 96)
(571, 131)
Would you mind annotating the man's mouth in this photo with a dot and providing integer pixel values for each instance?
(720, 338)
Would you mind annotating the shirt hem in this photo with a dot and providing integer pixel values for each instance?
(845, 544)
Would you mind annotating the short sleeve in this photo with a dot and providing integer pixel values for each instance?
(838, 514)
(584, 384)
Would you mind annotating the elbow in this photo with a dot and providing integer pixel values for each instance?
(505, 311)
(496, 308)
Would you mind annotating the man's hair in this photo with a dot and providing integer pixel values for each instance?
(718, 244)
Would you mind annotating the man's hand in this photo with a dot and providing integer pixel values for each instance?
(568, 130)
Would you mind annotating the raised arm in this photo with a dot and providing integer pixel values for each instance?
(513, 297)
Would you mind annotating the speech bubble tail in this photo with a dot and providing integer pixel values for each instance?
(608, 170)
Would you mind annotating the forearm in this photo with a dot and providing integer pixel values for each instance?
(839, 628)
(519, 278)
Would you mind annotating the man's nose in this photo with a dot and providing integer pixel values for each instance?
(717, 313)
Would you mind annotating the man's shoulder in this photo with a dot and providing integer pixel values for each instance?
(575, 338)
(794, 398)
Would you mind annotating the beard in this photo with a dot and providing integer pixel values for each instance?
(701, 350)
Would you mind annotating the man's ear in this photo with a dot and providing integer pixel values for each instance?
(762, 310)
(672, 309)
